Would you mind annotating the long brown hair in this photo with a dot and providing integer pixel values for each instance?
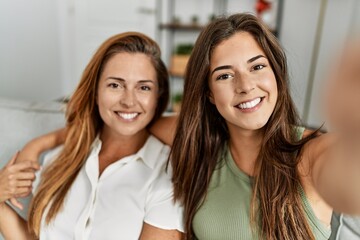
(84, 122)
(202, 135)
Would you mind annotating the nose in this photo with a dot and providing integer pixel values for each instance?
(244, 83)
(128, 99)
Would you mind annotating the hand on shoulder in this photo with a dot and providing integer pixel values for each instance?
(16, 179)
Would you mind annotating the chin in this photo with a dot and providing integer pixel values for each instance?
(257, 126)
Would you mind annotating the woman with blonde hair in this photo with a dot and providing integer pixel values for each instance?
(108, 180)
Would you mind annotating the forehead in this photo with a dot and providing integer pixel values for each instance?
(240, 47)
(130, 66)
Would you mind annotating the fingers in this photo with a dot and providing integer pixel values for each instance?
(16, 179)
(26, 193)
(16, 203)
(16, 187)
(27, 165)
(13, 159)
(25, 176)
(22, 192)
(19, 180)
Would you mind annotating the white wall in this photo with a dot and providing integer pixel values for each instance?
(338, 25)
(94, 21)
(29, 50)
(309, 65)
(297, 37)
(45, 45)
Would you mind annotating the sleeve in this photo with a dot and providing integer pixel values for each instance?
(161, 211)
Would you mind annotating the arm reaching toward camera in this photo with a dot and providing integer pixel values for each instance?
(337, 173)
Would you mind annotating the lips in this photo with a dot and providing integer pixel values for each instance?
(249, 104)
(127, 116)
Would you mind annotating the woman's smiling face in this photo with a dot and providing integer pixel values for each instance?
(127, 94)
(242, 83)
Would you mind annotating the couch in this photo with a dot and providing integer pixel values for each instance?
(21, 121)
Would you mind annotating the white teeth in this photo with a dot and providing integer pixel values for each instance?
(250, 104)
(128, 116)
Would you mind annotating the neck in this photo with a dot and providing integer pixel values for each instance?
(115, 147)
(245, 148)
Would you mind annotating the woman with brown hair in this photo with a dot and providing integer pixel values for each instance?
(108, 180)
(238, 157)
(242, 166)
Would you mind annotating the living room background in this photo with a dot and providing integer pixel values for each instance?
(45, 44)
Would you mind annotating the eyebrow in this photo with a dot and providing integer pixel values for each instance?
(229, 66)
(255, 58)
(115, 78)
(123, 80)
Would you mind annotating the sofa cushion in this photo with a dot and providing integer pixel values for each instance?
(21, 121)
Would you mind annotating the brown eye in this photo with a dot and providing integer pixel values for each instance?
(113, 85)
(145, 88)
(258, 67)
(224, 76)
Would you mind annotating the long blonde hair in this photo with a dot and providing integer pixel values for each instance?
(84, 122)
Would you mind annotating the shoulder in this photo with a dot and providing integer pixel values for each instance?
(311, 163)
(161, 182)
(155, 153)
(154, 144)
(314, 149)
(161, 210)
(313, 156)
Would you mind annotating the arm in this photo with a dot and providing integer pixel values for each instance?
(33, 149)
(336, 174)
(12, 226)
(165, 128)
(150, 232)
(15, 180)
(335, 158)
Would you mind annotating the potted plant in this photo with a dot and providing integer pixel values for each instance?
(180, 58)
(195, 20)
(176, 102)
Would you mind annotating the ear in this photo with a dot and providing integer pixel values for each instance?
(210, 96)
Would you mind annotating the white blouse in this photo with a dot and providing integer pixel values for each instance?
(132, 190)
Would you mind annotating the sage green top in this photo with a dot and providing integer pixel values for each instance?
(225, 213)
